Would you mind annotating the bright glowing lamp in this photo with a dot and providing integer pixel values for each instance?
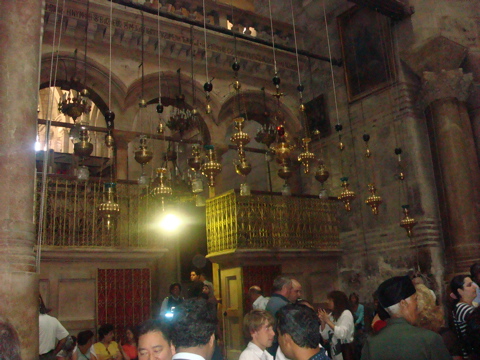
(170, 222)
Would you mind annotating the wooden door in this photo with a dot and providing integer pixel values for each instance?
(232, 310)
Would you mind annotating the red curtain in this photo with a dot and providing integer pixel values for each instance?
(123, 298)
(262, 276)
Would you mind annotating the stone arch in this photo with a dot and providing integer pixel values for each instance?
(253, 102)
(97, 79)
(170, 89)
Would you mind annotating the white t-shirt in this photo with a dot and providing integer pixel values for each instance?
(260, 303)
(50, 330)
(253, 352)
(343, 333)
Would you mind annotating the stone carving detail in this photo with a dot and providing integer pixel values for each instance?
(446, 84)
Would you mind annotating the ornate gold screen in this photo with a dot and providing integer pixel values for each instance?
(72, 218)
(269, 221)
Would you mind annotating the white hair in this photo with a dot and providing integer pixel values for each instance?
(395, 310)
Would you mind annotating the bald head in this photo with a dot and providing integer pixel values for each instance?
(254, 292)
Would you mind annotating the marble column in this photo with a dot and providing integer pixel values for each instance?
(20, 26)
(445, 94)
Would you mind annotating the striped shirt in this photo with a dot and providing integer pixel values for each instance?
(460, 315)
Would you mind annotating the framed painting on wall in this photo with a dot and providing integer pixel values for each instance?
(367, 50)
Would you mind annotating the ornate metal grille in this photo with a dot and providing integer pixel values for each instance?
(270, 222)
(72, 219)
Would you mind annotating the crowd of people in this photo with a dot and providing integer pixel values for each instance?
(408, 322)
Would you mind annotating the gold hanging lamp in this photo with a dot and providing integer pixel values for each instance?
(161, 189)
(347, 195)
(211, 168)
(373, 200)
(408, 223)
(306, 157)
(109, 209)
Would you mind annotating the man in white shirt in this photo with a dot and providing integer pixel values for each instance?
(50, 330)
(193, 330)
(259, 302)
(258, 326)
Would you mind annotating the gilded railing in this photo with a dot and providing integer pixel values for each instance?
(264, 221)
(72, 218)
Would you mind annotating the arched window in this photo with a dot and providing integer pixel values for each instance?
(61, 135)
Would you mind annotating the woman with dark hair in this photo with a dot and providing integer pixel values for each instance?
(130, 346)
(463, 293)
(106, 348)
(84, 349)
(338, 327)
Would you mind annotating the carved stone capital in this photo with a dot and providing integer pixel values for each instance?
(446, 84)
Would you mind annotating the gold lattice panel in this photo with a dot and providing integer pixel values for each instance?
(270, 222)
(72, 218)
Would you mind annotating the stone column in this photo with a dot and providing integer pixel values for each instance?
(20, 26)
(121, 148)
(458, 178)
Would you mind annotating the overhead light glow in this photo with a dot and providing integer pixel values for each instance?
(170, 222)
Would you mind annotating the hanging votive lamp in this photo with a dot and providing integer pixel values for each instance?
(322, 175)
(143, 155)
(347, 195)
(195, 163)
(208, 87)
(82, 173)
(401, 173)
(83, 147)
(407, 222)
(240, 139)
(109, 120)
(373, 200)
(74, 103)
(211, 168)
(109, 209)
(366, 139)
(338, 129)
(267, 132)
(161, 189)
(306, 157)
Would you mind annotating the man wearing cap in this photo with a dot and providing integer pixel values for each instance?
(399, 339)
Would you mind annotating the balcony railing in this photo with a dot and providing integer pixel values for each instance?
(72, 217)
(264, 221)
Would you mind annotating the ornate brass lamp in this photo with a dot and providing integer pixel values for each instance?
(347, 195)
(241, 138)
(74, 103)
(109, 209)
(211, 168)
(282, 154)
(373, 200)
(161, 189)
(407, 222)
(109, 119)
(143, 155)
(83, 147)
(267, 133)
(306, 157)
